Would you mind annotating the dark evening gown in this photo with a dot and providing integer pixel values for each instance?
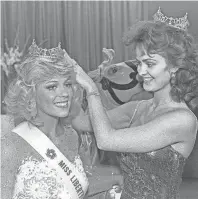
(153, 175)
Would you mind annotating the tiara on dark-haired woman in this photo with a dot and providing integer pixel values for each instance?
(181, 23)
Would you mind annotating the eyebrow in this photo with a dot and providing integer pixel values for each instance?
(51, 81)
(55, 81)
(147, 59)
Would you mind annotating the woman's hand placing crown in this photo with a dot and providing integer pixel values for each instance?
(84, 80)
(82, 77)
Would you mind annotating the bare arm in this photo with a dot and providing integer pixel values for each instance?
(165, 130)
(119, 117)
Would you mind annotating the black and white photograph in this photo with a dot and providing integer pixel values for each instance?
(99, 99)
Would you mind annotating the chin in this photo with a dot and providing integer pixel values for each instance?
(63, 114)
(152, 87)
(148, 88)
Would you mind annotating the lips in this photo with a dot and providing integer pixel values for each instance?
(147, 79)
(63, 104)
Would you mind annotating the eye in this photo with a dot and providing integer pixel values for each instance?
(51, 87)
(150, 65)
(68, 85)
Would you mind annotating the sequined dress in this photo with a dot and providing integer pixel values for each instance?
(153, 175)
(26, 175)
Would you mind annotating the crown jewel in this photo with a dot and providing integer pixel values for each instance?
(53, 53)
(180, 23)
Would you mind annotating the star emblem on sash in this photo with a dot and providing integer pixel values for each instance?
(51, 153)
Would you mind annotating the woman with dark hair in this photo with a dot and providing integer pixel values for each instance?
(155, 136)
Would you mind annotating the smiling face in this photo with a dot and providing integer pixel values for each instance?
(53, 97)
(153, 69)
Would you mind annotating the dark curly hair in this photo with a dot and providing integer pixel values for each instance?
(178, 48)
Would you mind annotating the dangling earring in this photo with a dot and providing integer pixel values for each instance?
(173, 79)
(84, 103)
(33, 113)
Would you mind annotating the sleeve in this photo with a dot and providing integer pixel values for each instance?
(9, 166)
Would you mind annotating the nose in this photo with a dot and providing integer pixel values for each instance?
(142, 69)
(64, 91)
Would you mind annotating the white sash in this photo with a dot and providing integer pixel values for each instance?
(42, 144)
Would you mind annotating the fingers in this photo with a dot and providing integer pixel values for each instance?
(77, 68)
(67, 57)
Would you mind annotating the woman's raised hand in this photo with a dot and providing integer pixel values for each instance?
(83, 79)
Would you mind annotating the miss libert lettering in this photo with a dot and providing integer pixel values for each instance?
(73, 179)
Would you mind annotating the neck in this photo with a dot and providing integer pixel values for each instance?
(51, 125)
(162, 96)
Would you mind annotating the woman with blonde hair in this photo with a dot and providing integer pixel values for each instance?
(40, 155)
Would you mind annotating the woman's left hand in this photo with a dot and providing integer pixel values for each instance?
(83, 79)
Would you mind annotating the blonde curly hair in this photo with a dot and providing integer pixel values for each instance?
(31, 72)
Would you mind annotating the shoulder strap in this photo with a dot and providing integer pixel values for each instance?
(137, 106)
(41, 143)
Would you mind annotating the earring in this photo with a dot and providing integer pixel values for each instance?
(33, 113)
(84, 103)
